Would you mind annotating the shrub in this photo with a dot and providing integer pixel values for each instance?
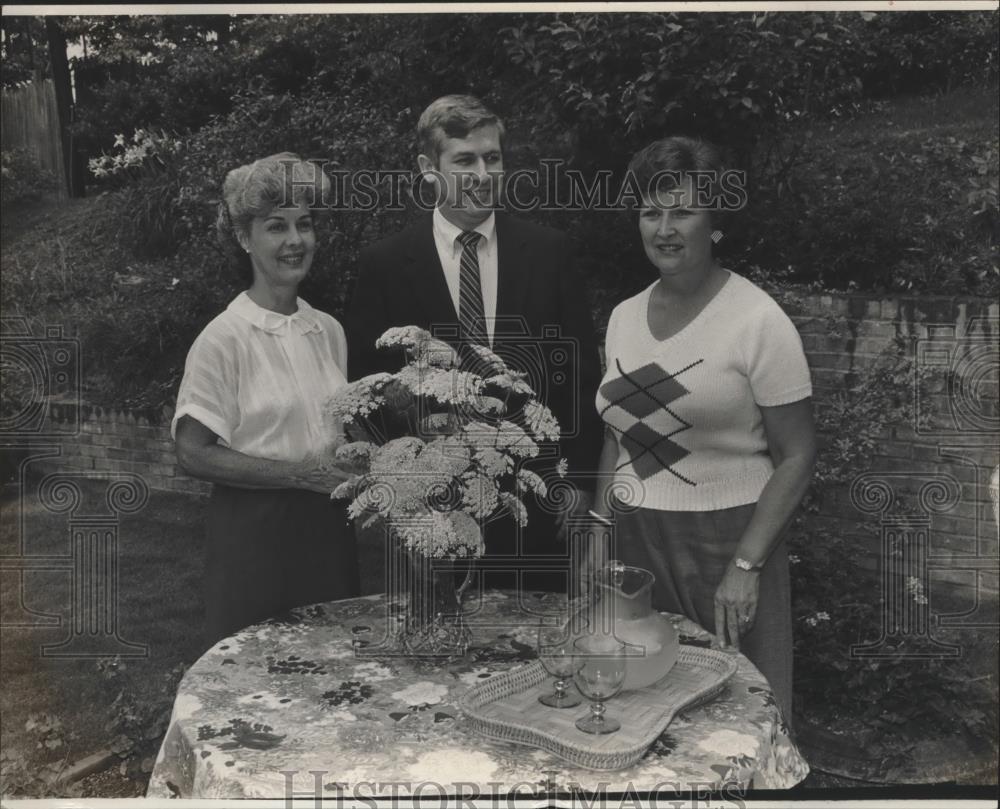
(23, 179)
(585, 87)
(880, 211)
(905, 700)
(148, 208)
(109, 101)
(615, 81)
(139, 716)
(22, 774)
(136, 328)
(921, 51)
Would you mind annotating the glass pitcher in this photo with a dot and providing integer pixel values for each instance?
(621, 607)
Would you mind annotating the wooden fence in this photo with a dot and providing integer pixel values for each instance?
(30, 120)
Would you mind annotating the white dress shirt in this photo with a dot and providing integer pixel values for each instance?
(450, 252)
(260, 380)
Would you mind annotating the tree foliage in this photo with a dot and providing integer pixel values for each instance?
(22, 50)
(587, 89)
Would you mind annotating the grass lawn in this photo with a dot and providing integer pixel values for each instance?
(160, 558)
(160, 605)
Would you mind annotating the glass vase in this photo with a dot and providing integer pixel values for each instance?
(434, 622)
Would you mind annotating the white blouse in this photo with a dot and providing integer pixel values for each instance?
(260, 380)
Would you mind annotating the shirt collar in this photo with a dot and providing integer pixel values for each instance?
(304, 320)
(447, 232)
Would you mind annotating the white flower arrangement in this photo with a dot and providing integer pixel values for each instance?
(437, 447)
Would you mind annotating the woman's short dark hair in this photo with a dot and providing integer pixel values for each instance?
(662, 165)
(258, 188)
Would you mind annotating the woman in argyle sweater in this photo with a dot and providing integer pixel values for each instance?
(709, 443)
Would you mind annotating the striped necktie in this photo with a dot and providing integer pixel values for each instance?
(471, 313)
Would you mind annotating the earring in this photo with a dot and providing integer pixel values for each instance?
(716, 236)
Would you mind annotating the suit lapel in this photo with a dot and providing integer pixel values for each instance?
(513, 268)
(425, 275)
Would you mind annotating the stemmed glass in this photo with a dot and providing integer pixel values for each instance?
(600, 674)
(556, 655)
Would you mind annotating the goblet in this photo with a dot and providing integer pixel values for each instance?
(599, 674)
(556, 656)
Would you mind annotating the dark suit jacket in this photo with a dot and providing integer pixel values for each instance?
(401, 282)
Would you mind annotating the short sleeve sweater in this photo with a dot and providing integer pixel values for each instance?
(260, 380)
(686, 410)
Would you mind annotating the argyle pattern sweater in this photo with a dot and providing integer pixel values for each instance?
(686, 410)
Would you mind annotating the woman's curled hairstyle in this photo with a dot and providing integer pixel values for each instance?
(660, 166)
(255, 190)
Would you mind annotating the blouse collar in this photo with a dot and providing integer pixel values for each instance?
(304, 320)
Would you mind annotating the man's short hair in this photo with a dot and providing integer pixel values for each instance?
(453, 116)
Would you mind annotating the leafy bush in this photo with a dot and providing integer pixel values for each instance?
(588, 88)
(146, 71)
(884, 211)
(110, 101)
(921, 51)
(21, 773)
(22, 177)
(601, 82)
(903, 699)
(617, 80)
(148, 209)
(137, 723)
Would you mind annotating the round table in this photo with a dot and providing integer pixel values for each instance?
(315, 703)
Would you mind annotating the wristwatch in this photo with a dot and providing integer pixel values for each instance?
(744, 564)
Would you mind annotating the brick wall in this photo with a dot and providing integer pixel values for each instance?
(953, 438)
(843, 335)
(104, 440)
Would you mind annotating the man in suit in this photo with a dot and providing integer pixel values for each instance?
(468, 272)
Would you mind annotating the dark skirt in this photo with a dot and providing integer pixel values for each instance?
(273, 549)
(688, 552)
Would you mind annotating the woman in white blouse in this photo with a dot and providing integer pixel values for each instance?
(249, 414)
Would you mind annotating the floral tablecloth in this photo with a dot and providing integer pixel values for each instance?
(316, 703)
